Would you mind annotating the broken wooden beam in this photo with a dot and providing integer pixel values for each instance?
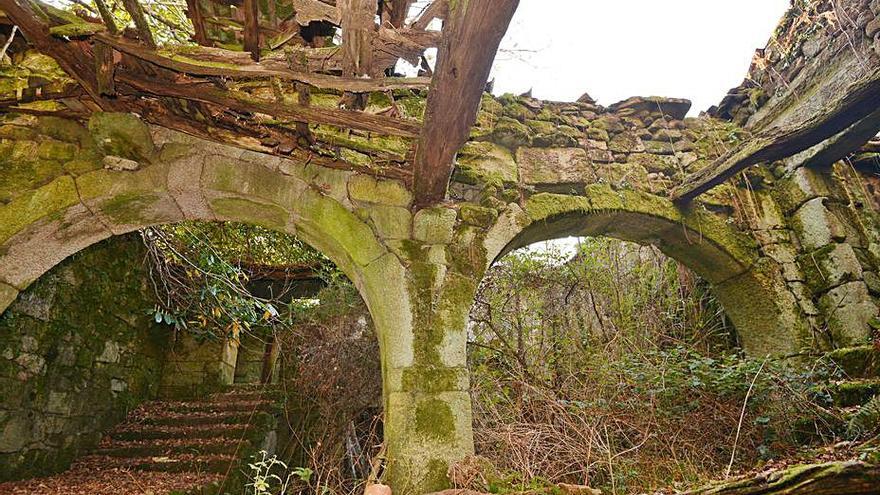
(70, 56)
(207, 93)
(197, 17)
(308, 11)
(252, 28)
(217, 62)
(472, 34)
(855, 103)
(105, 68)
(140, 22)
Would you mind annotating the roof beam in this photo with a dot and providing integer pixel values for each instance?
(859, 100)
(140, 21)
(207, 93)
(252, 28)
(71, 56)
(472, 33)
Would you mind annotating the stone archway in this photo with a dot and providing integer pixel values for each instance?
(751, 291)
(141, 176)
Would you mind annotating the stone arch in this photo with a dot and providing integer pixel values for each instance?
(749, 287)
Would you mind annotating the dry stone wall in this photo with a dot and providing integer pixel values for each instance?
(77, 351)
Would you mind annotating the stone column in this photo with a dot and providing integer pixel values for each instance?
(420, 296)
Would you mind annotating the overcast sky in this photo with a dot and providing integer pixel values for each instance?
(614, 49)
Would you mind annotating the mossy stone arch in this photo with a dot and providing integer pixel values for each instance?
(337, 212)
(749, 288)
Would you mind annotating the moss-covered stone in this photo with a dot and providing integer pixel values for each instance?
(487, 163)
(367, 189)
(123, 135)
(434, 225)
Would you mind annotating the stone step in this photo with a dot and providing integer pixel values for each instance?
(157, 432)
(217, 406)
(858, 362)
(194, 418)
(272, 394)
(851, 393)
(171, 463)
(154, 447)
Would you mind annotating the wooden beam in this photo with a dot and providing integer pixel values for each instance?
(71, 56)
(207, 93)
(358, 30)
(140, 21)
(107, 17)
(252, 28)
(394, 12)
(439, 9)
(217, 62)
(855, 103)
(471, 36)
(197, 17)
(105, 68)
(308, 11)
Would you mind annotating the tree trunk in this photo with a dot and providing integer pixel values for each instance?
(836, 478)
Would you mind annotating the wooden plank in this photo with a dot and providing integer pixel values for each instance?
(252, 28)
(71, 56)
(207, 93)
(197, 17)
(217, 62)
(140, 21)
(394, 12)
(308, 11)
(853, 105)
(107, 17)
(439, 9)
(471, 36)
(105, 67)
(358, 29)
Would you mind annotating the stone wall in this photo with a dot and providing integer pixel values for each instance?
(77, 351)
(196, 367)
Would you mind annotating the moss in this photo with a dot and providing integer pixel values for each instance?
(29, 207)
(334, 221)
(434, 420)
(123, 135)
(858, 362)
(390, 146)
(544, 206)
(517, 111)
(430, 379)
(511, 133)
(478, 215)
(487, 163)
(367, 189)
(243, 210)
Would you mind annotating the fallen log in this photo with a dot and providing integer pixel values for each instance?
(835, 478)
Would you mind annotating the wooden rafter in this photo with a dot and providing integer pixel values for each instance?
(252, 28)
(134, 9)
(853, 105)
(197, 17)
(472, 34)
(204, 62)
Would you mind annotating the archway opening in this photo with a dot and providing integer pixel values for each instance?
(251, 340)
(607, 363)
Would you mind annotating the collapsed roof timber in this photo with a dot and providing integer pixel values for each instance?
(249, 62)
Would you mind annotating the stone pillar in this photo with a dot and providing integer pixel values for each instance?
(420, 297)
(833, 254)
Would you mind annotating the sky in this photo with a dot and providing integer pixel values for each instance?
(694, 49)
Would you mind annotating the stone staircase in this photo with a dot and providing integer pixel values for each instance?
(210, 438)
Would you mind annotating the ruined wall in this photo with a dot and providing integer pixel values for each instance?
(77, 351)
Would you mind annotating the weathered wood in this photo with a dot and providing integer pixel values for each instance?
(107, 17)
(218, 62)
(105, 68)
(207, 93)
(836, 478)
(72, 60)
(437, 10)
(408, 44)
(308, 11)
(197, 17)
(140, 21)
(854, 104)
(472, 34)
(394, 12)
(252, 28)
(358, 29)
